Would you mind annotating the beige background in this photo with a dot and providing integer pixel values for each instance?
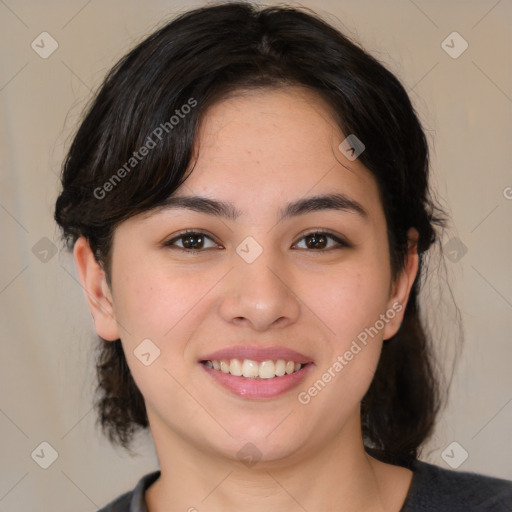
(46, 376)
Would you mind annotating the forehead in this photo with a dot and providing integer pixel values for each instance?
(266, 145)
(283, 124)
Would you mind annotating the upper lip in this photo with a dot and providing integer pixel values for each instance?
(257, 353)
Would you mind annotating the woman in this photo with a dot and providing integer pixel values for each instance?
(248, 204)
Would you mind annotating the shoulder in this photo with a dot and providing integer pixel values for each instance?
(434, 488)
(132, 501)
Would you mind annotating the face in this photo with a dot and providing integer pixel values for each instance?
(309, 284)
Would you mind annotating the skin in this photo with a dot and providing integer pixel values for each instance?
(258, 150)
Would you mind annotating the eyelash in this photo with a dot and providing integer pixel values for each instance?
(341, 243)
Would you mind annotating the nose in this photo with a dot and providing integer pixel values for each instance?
(260, 294)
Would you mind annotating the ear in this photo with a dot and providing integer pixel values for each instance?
(402, 286)
(94, 282)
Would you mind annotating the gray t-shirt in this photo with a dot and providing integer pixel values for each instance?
(433, 489)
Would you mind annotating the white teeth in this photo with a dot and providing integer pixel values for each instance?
(267, 370)
(224, 366)
(280, 367)
(249, 368)
(252, 369)
(235, 368)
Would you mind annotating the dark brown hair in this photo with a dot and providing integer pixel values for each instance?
(202, 56)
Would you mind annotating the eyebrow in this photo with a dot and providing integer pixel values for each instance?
(218, 208)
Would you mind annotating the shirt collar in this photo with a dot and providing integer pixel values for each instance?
(138, 502)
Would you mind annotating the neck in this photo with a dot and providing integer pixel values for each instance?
(337, 475)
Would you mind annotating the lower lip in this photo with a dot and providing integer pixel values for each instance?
(258, 388)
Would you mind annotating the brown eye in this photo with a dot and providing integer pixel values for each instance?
(190, 241)
(319, 240)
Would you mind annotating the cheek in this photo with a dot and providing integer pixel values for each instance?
(164, 307)
(350, 303)
(355, 298)
(161, 304)
(350, 298)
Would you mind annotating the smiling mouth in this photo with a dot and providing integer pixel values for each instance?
(251, 369)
